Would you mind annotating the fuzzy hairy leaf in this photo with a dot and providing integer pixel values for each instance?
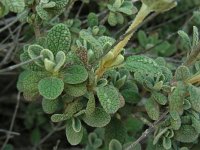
(109, 98)
(186, 39)
(50, 106)
(16, 6)
(73, 137)
(152, 109)
(115, 145)
(167, 143)
(75, 74)
(51, 87)
(42, 12)
(91, 103)
(182, 73)
(195, 38)
(25, 57)
(34, 51)
(28, 83)
(74, 107)
(142, 64)
(59, 117)
(196, 124)
(59, 39)
(159, 98)
(115, 130)
(94, 140)
(112, 19)
(76, 90)
(175, 123)
(92, 20)
(176, 99)
(98, 118)
(76, 124)
(194, 97)
(186, 134)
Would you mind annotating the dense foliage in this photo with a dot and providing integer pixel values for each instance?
(105, 91)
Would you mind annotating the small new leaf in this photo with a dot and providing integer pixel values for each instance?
(73, 137)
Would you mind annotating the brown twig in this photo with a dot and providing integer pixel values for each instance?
(12, 122)
(147, 131)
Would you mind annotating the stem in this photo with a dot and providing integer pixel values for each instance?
(194, 79)
(37, 30)
(144, 11)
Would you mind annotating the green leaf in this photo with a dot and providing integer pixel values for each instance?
(49, 65)
(16, 6)
(159, 135)
(115, 145)
(130, 96)
(97, 118)
(141, 63)
(59, 39)
(195, 38)
(92, 20)
(194, 97)
(128, 8)
(76, 90)
(94, 141)
(182, 73)
(167, 143)
(109, 98)
(46, 53)
(76, 124)
(186, 40)
(159, 98)
(59, 117)
(73, 137)
(142, 38)
(120, 18)
(152, 109)
(50, 106)
(196, 124)
(117, 3)
(176, 99)
(115, 130)
(186, 134)
(42, 13)
(112, 19)
(28, 83)
(75, 74)
(51, 87)
(59, 60)
(91, 103)
(35, 136)
(34, 51)
(3, 9)
(175, 123)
